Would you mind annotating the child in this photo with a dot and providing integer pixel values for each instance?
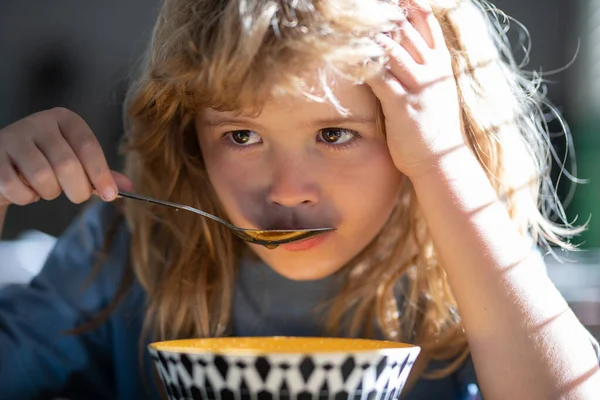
(406, 127)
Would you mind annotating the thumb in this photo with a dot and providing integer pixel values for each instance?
(122, 181)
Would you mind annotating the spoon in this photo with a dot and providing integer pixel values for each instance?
(268, 238)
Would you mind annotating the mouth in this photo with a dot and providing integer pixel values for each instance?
(306, 244)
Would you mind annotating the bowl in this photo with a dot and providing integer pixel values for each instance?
(269, 368)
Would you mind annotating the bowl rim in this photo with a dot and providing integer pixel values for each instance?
(393, 347)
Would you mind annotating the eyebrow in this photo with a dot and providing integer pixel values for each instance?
(327, 122)
(352, 119)
(225, 121)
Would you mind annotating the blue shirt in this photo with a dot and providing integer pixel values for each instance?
(39, 361)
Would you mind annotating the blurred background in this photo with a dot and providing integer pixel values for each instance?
(79, 55)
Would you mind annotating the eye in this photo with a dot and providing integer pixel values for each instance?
(243, 138)
(336, 136)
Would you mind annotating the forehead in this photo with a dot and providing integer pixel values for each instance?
(356, 100)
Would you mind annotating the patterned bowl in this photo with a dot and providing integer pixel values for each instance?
(268, 368)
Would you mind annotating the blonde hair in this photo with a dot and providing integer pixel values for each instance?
(228, 54)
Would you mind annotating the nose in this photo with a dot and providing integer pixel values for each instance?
(292, 183)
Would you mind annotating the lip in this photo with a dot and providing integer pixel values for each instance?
(306, 244)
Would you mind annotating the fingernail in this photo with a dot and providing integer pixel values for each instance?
(109, 194)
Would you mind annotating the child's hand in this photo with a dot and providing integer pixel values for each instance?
(50, 152)
(418, 94)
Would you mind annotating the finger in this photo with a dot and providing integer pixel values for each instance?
(35, 169)
(386, 88)
(68, 168)
(412, 41)
(426, 24)
(12, 188)
(87, 148)
(123, 182)
(401, 64)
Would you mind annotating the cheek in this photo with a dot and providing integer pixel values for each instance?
(368, 191)
(230, 181)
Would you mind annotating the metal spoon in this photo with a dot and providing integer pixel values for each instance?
(268, 238)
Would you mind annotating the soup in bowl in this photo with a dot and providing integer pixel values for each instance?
(267, 368)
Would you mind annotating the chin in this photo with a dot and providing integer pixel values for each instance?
(302, 267)
(306, 272)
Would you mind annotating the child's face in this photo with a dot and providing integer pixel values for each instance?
(300, 164)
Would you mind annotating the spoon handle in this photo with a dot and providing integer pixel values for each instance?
(152, 200)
